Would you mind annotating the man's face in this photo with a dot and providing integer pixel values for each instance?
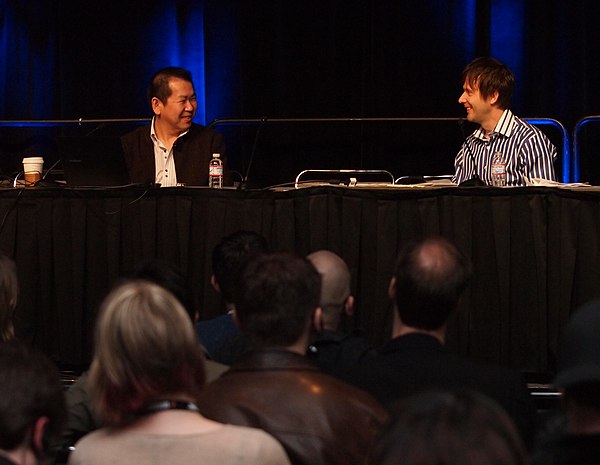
(478, 108)
(177, 112)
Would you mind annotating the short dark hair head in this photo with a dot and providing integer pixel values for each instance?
(30, 388)
(276, 297)
(579, 355)
(170, 277)
(459, 427)
(489, 76)
(430, 277)
(229, 255)
(159, 84)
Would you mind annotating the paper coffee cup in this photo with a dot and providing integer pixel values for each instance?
(33, 168)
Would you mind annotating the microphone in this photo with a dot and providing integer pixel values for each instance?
(475, 181)
(43, 181)
(244, 184)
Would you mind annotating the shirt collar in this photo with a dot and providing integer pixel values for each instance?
(503, 126)
(155, 137)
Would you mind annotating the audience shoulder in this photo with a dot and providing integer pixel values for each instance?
(256, 444)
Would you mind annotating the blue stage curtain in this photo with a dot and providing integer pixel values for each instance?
(28, 65)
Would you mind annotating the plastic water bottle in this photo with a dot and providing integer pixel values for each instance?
(498, 170)
(215, 172)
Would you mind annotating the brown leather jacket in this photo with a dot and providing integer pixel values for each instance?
(318, 419)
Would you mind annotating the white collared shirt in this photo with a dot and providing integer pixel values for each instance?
(164, 161)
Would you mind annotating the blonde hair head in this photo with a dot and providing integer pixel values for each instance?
(145, 349)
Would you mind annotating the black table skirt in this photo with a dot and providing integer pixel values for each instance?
(535, 253)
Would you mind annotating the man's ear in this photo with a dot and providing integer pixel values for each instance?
(214, 283)
(349, 306)
(156, 105)
(235, 319)
(494, 98)
(392, 289)
(38, 433)
(317, 319)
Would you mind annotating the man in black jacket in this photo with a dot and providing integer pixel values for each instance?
(572, 435)
(173, 150)
(333, 350)
(429, 278)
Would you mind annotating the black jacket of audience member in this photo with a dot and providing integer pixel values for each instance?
(416, 362)
(337, 353)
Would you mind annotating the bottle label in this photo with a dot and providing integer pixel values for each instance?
(215, 171)
(498, 169)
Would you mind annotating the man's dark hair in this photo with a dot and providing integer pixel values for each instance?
(229, 255)
(489, 75)
(584, 395)
(455, 427)
(275, 298)
(170, 277)
(430, 277)
(30, 388)
(159, 84)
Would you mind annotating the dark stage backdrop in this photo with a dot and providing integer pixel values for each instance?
(70, 59)
(371, 58)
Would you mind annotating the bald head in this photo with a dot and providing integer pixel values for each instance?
(429, 279)
(335, 286)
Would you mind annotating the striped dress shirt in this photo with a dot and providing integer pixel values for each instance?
(526, 149)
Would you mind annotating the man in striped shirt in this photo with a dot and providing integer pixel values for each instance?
(487, 89)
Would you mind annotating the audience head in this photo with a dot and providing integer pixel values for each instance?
(159, 84)
(277, 298)
(451, 428)
(32, 404)
(429, 278)
(579, 369)
(167, 275)
(229, 255)
(145, 350)
(9, 290)
(336, 299)
(490, 76)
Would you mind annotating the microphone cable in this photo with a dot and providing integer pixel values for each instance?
(244, 183)
(475, 180)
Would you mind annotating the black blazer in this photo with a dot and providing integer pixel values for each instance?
(416, 362)
(192, 154)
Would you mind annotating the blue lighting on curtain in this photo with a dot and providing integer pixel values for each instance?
(506, 37)
(27, 66)
(466, 15)
(180, 42)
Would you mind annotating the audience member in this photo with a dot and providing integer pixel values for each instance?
(220, 335)
(458, 427)
(173, 150)
(573, 437)
(82, 419)
(318, 418)
(427, 284)
(32, 405)
(9, 290)
(487, 90)
(333, 350)
(145, 377)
